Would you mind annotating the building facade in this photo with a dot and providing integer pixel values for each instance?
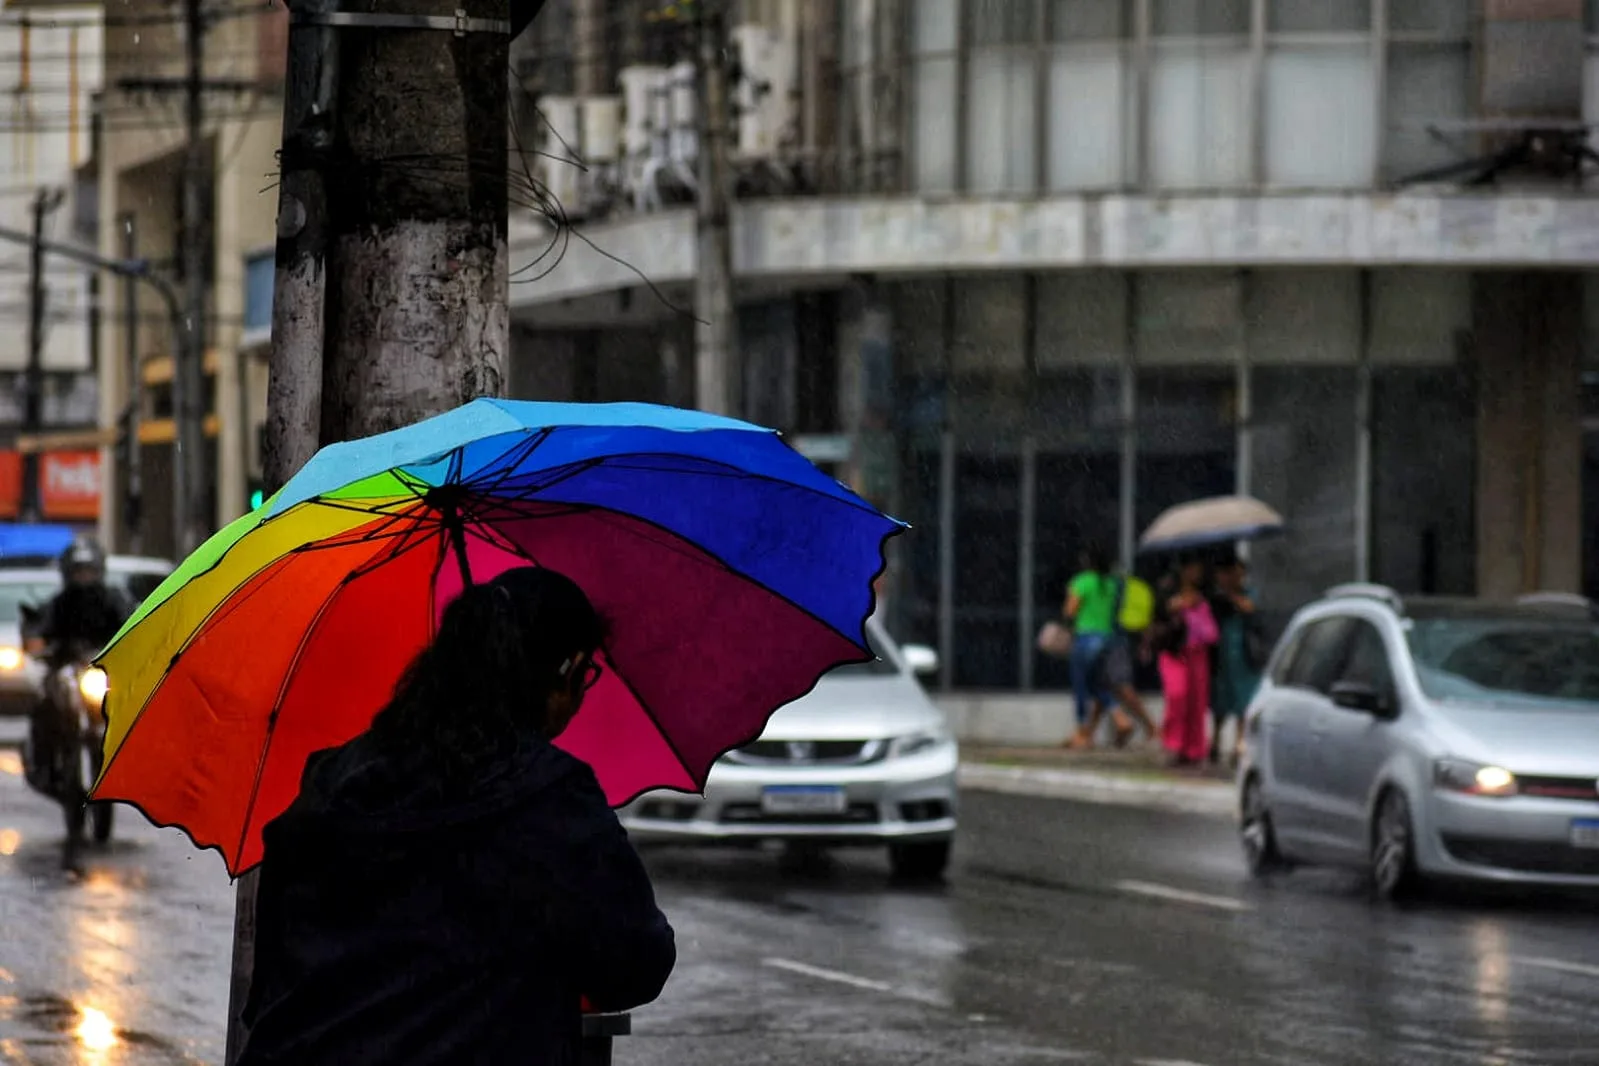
(52, 67)
(139, 162)
(1031, 272)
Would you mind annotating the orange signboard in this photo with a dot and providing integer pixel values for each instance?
(10, 484)
(69, 484)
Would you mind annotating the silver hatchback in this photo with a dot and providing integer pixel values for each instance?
(1428, 738)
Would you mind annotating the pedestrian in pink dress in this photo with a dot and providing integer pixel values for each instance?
(1185, 666)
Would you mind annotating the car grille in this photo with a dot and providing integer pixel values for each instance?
(1582, 788)
(1524, 857)
(751, 814)
(807, 753)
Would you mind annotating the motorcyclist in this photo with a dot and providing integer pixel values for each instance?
(79, 620)
(85, 613)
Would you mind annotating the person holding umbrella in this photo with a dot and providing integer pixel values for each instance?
(407, 686)
(450, 886)
(1240, 652)
(1189, 632)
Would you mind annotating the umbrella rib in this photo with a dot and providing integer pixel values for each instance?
(560, 474)
(723, 470)
(531, 444)
(283, 691)
(217, 613)
(616, 669)
(643, 704)
(381, 531)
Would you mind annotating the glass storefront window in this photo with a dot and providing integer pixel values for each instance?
(987, 553)
(1423, 477)
(1077, 488)
(1304, 448)
(1187, 438)
(1423, 433)
(913, 602)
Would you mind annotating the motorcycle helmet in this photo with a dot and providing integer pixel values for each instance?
(85, 559)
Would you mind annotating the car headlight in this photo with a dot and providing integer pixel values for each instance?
(917, 743)
(92, 686)
(11, 660)
(1473, 778)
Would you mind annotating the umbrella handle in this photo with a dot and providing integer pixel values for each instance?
(457, 529)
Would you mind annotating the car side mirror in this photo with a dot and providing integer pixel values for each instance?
(1359, 696)
(921, 659)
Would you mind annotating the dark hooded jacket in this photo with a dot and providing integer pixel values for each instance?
(400, 924)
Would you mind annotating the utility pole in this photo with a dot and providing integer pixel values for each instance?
(133, 500)
(188, 466)
(44, 203)
(718, 372)
(392, 280)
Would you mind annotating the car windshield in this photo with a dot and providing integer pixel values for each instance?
(882, 666)
(1508, 659)
(15, 594)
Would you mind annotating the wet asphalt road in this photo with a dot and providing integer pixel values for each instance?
(1067, 933)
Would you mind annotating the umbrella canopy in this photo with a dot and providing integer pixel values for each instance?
(1210, 522)
(732, 571)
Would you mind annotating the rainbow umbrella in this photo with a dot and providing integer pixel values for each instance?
(734, 573)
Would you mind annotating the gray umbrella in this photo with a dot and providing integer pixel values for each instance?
(1210, 522)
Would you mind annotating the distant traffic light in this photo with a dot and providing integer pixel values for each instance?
(257, 498)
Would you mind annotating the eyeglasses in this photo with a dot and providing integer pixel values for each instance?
(591, 672)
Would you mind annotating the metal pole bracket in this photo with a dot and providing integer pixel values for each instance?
(459, 24)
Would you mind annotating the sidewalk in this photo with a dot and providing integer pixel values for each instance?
(1137, 776)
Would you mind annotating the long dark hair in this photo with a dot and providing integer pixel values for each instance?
(479, 689)
(1096, 558)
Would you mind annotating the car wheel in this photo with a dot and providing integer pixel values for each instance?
(1393, 848)
(1255, 833)
(919, 862)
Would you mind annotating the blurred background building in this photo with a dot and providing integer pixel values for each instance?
(50, 65)
(139, 162)
(1031, 271)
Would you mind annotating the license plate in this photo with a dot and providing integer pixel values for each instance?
(1585, 833)
(803, 799)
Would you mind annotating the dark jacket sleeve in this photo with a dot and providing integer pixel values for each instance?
(621, 943)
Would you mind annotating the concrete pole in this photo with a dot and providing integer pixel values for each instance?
(133, 506)
(391, 300)
(717, 382)
(188, 372)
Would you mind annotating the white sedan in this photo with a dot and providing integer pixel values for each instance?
(864, 759)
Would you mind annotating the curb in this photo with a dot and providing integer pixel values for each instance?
(1214, 799)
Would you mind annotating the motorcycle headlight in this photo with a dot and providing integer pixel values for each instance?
(917, 743)
(11, 660)
(92, 686)
(1472, 778)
